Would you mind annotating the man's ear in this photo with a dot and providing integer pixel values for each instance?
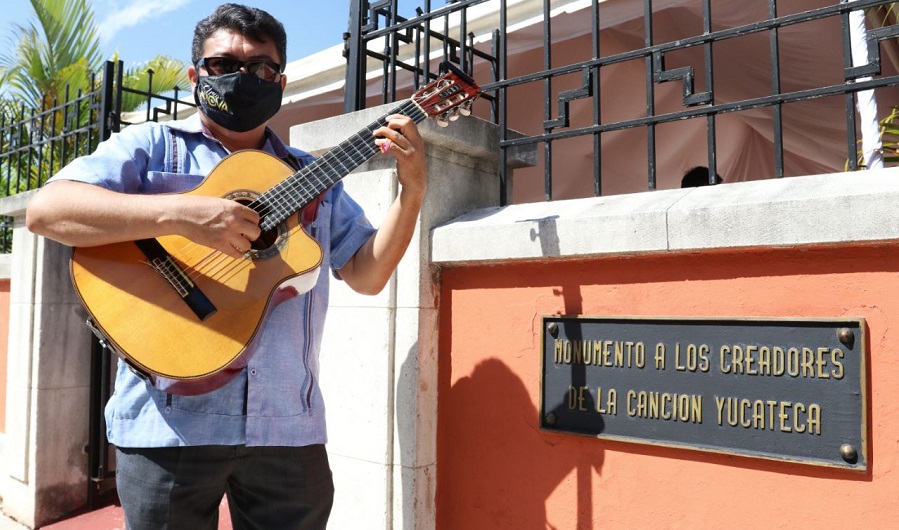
(192, 75)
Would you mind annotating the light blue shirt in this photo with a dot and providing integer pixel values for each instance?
(275, 400)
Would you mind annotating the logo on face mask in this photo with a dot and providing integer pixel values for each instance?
(210, 98)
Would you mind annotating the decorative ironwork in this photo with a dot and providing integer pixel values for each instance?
(35, 143)
(685, 74)
(404, 51)
(567, 97)
(873, 67)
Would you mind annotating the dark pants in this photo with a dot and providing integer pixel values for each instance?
(268, 488)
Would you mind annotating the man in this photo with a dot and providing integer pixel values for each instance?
(259, 438)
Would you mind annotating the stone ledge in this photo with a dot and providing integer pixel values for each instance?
(813, 210)
(14, 205)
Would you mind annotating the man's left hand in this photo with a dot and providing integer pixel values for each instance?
(401, 139)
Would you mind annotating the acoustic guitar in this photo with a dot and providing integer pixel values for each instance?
(183, 315)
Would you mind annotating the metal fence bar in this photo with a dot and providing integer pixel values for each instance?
(650, 94)
(548, 123)
(502, 116)
(597, 109)
(777, 121)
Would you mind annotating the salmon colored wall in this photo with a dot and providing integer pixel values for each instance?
(497, 470)
(4, 346)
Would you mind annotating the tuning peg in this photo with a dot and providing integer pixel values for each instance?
(453, 115)
(465, 108)
(442, 120)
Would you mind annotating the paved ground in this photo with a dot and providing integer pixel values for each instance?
(107, 518)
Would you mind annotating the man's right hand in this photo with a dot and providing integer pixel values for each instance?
(221, 224)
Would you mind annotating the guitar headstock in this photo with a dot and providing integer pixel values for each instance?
(448, 96)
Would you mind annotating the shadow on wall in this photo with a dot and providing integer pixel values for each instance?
(496, 468)
(508, 467)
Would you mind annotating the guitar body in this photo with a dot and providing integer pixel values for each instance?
(145, 319)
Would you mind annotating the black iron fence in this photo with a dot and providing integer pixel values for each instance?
(36, 142)
(571, 62)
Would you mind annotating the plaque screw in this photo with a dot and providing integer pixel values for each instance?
(846, 336)
(553, 329)
(849, 454)
(550, 419)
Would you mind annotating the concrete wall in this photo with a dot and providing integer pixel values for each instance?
(44, 459)
(805, 247)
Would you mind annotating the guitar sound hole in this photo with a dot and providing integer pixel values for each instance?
(266, 240)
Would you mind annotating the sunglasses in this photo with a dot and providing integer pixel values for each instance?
(265, 70)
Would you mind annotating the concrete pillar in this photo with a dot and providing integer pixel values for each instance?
(44, 474)
(379, 355)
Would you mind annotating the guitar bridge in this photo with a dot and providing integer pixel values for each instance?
(173, 274)
(166, 266)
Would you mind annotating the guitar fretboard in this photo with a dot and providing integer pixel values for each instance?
(296, 191)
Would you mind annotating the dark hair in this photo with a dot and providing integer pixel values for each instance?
(698, 176)
(248, 21)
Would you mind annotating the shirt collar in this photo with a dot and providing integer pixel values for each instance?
(194, 125)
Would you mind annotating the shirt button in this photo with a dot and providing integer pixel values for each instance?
(253, 371)
(168, 410)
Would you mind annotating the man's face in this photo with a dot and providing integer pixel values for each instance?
(234, 45)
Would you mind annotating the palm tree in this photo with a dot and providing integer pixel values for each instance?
(50, 61)
(61, 48)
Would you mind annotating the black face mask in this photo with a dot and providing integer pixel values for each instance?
(238, 102)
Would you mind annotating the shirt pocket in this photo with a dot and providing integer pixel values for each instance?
(166, 182)
(226, 401)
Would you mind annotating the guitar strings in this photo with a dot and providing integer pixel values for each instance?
(283, 195)
(215, 265)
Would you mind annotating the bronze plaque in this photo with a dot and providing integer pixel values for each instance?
(790, 390)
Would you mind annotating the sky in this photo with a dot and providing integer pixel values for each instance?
(141, 29)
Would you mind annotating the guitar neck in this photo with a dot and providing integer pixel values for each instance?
(298, 190)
